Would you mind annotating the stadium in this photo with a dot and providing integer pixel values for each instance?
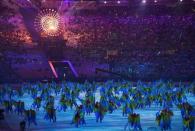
(87, 65)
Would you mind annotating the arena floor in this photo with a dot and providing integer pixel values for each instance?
(111, 122)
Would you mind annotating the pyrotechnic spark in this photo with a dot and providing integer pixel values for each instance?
(49, 22)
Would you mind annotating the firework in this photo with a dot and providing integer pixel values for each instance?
(49, 23)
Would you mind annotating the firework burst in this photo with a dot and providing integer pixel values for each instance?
(49, 23)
